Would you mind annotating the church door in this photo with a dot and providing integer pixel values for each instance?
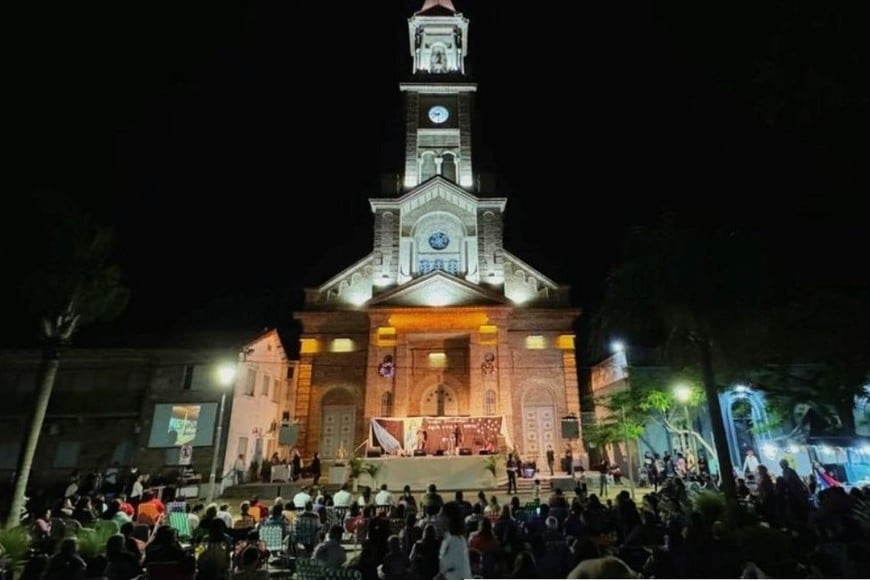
(539, 426)
(338, 429)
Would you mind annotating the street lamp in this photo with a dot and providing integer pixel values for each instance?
(226, 376)
(683, 394)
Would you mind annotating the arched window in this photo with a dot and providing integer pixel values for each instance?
(425, 266)
(427, 167)
(439, 264)
(448, 167)
(387, 405)
(453, 266)
(489, 403)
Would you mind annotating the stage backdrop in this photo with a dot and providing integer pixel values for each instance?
(430, 434)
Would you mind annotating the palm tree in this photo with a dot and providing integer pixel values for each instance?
(74, 284)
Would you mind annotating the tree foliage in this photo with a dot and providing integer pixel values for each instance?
(73, 280)
(651, 399)
(819, 355)
(676, 282)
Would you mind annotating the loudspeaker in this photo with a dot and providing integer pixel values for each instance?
(419, 452)
(483, 452)
(288, 434)
(439, 452)
(570, 429)
(566, 484)
(374, 452)
(464, 451)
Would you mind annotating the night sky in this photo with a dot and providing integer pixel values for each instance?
(233, 146)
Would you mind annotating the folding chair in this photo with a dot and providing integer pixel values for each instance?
(309, 569)
(272, 536)
(341, 574)
(180, 522)
(306, 531)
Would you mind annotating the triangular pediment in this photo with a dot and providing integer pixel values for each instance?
(439, 289)
(438, 190)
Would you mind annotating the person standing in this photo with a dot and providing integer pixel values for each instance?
(551, 458)
(569, 460)
(315, 467)
(750, 463)
(603, 468)
(296, 464)
(239, 469)
(453, 560)
(513, 465)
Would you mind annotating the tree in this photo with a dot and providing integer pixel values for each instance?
(651, 399)
(72, 283)
(698, 292)
(819, 355)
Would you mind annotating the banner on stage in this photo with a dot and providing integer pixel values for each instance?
(431, 435)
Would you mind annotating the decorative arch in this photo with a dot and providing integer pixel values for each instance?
(448, 231)
(439, 400)
(743, 408)
(538, 396)
(449, 166)
(428, 167)
(338, 396)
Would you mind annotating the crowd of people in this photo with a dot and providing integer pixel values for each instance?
(680, 528)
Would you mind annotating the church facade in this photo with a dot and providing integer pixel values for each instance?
(439, 319)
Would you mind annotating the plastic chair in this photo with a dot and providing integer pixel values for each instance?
(308, 569)
(272, 535)
(341, 574)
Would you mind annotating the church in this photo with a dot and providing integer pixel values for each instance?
(440, 340)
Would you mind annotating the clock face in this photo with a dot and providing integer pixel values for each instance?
(439, 240)
(438, 114)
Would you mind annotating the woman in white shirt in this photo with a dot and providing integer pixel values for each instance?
(453, 561)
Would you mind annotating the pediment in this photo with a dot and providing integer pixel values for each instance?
(439, 289)
(438, 193)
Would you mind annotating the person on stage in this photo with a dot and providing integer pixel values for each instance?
(513, 465)
(551, 458)
(422, 438)
(457, 436)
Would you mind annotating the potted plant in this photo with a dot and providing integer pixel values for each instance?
(355, 466)
(14, 550)
(92, 543)
(372, 470)
(491, 464)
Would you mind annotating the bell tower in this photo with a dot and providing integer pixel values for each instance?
(438, 97)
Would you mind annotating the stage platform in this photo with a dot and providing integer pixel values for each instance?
(465, 472)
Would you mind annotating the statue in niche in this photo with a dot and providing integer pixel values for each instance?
(439, 60)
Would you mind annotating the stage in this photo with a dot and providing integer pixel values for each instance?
(453, 472)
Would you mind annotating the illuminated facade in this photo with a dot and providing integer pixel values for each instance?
(439, 318)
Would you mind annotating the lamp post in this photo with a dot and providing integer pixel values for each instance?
(683, 394)
(226, 375)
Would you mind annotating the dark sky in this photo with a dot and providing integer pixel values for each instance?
(233, 145)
